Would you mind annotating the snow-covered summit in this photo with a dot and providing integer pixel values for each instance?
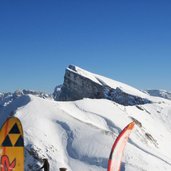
(79, 84)
(9, 102)
(104, 81)
(160, 93)
(6, 98)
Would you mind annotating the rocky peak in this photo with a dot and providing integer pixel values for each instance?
(79, 84)
(160, 93)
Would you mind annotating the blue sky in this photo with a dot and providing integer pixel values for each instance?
(128, 41)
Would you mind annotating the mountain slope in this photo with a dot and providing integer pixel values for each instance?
(79, 134)
(79, 83)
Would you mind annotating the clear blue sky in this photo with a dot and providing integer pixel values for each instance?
(126, 40)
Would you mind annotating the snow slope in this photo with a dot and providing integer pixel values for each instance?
(79, 135)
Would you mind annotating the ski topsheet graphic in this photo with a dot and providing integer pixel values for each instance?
(115, 157)
(11, 146)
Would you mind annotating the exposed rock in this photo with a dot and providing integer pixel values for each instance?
(150, 138)
(76, 86)
(138, 123)
(121, 97)
(159, 93)
(57, 92)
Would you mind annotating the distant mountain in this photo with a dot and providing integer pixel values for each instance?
(79, 84)
(160, 93)
(6, 96)
(9, 102)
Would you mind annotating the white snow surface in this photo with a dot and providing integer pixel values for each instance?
(79, 134)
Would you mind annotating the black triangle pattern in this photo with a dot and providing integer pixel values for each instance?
(7, 142)
(20, 142)
(14, 130)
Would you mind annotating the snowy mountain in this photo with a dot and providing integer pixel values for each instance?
(79, 84)
(6, 98)
(79, 134)
(160, 93)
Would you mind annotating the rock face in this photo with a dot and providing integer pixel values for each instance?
(118, 96)
(76, 86)
(160, 93)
